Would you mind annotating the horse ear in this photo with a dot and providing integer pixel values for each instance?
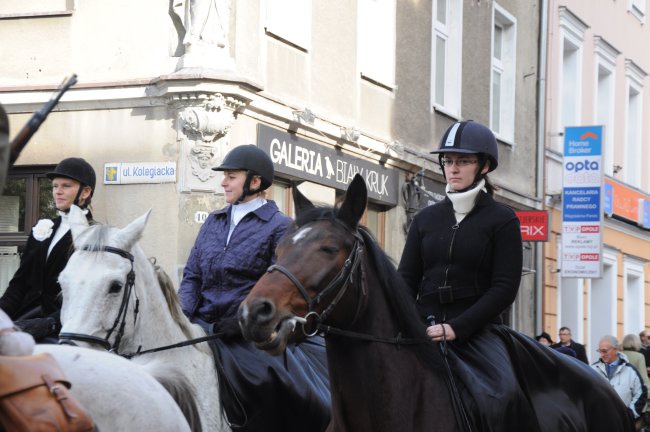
(131, 233)
(300, 202)
(77, 220)
(354, 203)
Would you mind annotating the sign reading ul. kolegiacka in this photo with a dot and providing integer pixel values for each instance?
(314, 162)
(139, 172)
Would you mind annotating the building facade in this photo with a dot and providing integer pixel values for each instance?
(597, 65)
(328, 89)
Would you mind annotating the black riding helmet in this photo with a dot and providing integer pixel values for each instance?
(472, 138)
(76, 169)
(254, 161)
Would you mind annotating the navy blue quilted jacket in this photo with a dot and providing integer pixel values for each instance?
(217, 277)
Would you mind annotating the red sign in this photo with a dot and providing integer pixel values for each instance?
(534, 225)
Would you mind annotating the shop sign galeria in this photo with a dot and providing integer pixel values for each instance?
(308, 160)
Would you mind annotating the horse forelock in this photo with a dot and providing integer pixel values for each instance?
(94, 237)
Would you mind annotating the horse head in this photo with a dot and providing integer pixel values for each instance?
(318, 260)
(97, 284)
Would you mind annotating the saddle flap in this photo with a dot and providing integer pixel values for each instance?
(23, 372)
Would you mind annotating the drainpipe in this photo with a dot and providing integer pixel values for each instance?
(541, 158)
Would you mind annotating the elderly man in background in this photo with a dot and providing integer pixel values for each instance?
(623, 377)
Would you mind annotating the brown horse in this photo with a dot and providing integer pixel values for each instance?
(382, 373)
(332, 277)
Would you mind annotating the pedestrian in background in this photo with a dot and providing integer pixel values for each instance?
(566, 341)
(615, 367)
(544, 338)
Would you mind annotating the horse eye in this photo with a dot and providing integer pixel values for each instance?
(115, 287)
(329, 249)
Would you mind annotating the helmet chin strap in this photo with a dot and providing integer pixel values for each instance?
(76, 200)
(247, 185)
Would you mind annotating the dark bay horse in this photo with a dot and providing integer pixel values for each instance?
(382, 377)
(332, 277)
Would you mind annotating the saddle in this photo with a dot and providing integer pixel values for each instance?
(34, 396)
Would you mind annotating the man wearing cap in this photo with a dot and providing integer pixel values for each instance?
(32, 298)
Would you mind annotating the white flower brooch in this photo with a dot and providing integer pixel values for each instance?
(43, 229)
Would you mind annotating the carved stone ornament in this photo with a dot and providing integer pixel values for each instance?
(201, 162)
(201, 129)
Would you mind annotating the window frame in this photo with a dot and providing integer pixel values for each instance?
(32, 174)
(451, 32)
(505, 66)
(379, 68)
(605, 59)
(632, 167)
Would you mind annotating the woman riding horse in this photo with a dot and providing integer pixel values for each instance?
(233, 249)
(462, 262)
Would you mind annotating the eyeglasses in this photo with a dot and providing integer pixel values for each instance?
(565, 334)
(604, 351)
(458, 162)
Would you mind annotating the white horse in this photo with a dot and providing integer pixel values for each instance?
(118, 394)
(112, 297)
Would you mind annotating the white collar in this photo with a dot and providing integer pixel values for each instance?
(464, 202)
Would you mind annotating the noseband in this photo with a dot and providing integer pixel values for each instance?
(120, 320)
(343, 279)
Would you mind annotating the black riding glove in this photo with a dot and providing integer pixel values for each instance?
(39, 328)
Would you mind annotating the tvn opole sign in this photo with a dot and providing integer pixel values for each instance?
(581, 202)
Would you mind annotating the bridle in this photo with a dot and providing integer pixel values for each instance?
(351, 272)
(120, 320)
(339, 283)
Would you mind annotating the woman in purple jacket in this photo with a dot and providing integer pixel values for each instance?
(234, 248)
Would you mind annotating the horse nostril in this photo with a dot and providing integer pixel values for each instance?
(262, 311)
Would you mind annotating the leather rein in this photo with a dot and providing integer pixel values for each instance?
(351, 271)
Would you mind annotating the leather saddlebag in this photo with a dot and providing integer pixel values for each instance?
(35, 396)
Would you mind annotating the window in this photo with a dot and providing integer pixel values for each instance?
(35, 8)
(446, 59)
(604, 104)
(27, 197)
(633, 119)
(290, 21)
(633, 302)
(375, 220)
(504, 40)
(602, 302)
(376, 22)
(572, 32)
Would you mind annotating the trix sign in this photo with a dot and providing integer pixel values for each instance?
(534, 225)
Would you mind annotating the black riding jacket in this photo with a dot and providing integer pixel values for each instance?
(466, 273)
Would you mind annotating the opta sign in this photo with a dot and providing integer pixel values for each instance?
(534, 225)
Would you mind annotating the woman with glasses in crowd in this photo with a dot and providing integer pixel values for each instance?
(462, 261)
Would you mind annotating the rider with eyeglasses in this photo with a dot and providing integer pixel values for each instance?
(462, 261)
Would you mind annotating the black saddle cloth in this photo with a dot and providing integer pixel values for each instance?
(510, 382)
(260, 392)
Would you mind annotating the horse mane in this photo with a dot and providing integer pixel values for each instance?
(171, 297)
(392, 285)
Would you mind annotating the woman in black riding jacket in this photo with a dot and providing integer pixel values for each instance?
(34, 290)
(462, 260)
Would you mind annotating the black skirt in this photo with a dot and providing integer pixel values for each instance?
(260, 392)
(510, 382)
